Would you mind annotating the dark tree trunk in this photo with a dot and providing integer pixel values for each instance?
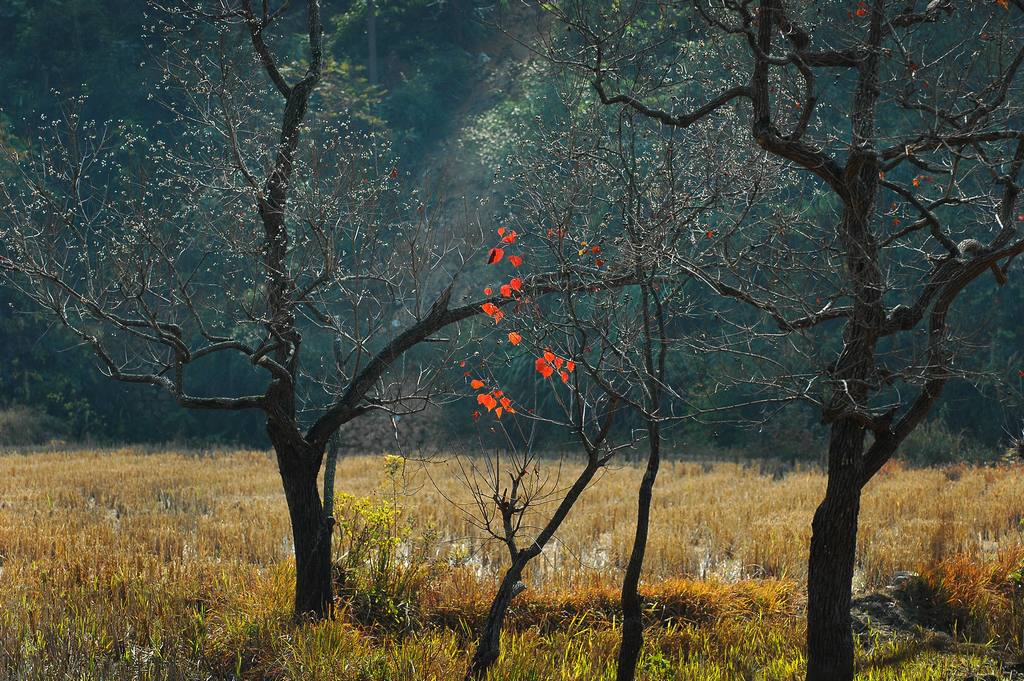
(632, 607)
(311, 532)
(832, 558)
(488, 648)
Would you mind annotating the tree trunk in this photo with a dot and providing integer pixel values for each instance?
(832, 557)
(311, 533)
(488, 647)
(632, 607)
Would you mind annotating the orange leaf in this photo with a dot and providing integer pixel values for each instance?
(506, 290)
(510, 238)
(564, 376)
(515, 260)
(516, 284)
(487, 401)
(549, 356)
(495, 256)
(507, 405)
(488, 291)
(595, 249)
(494, 311)
(543, 367)
(501, 230)
(476, 384)
(570, 365)
(497, 412)
(514, 338)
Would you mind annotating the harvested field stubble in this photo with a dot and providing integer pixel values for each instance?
(124, 565)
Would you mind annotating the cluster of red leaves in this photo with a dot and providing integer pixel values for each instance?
(493, 311)
(492, 400)
(588, 249)
(549, 363)
(515, 285)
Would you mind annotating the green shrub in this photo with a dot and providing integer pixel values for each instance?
(383, 563)
(933, 443)
(23, 427)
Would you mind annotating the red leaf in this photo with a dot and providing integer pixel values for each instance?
(493, 311)
(488, 291)
(570, 366)
(516, 284)
(549, 356)
(564, 376)
(515, 260)
(514, 338)
(394, 174)
(476, 415)
(599, 262)
(595, 249)
(506, 290)
(510, 238)
(501, 230)
(543, 367)
(495, 256)
(476, 384)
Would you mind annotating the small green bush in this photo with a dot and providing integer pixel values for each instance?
(23, 427)
(933, 443)
(383, 563)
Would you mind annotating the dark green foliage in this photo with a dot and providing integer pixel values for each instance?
(433, 61)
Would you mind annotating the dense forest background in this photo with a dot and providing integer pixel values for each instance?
(453, 94)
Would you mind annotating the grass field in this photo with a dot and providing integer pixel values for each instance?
(141, 565)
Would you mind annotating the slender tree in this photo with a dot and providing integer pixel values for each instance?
(620, 202)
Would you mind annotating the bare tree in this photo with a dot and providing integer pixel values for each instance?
(903, 120)
(269, 231)
(620, 202)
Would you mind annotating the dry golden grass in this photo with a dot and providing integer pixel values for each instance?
(124, 564)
